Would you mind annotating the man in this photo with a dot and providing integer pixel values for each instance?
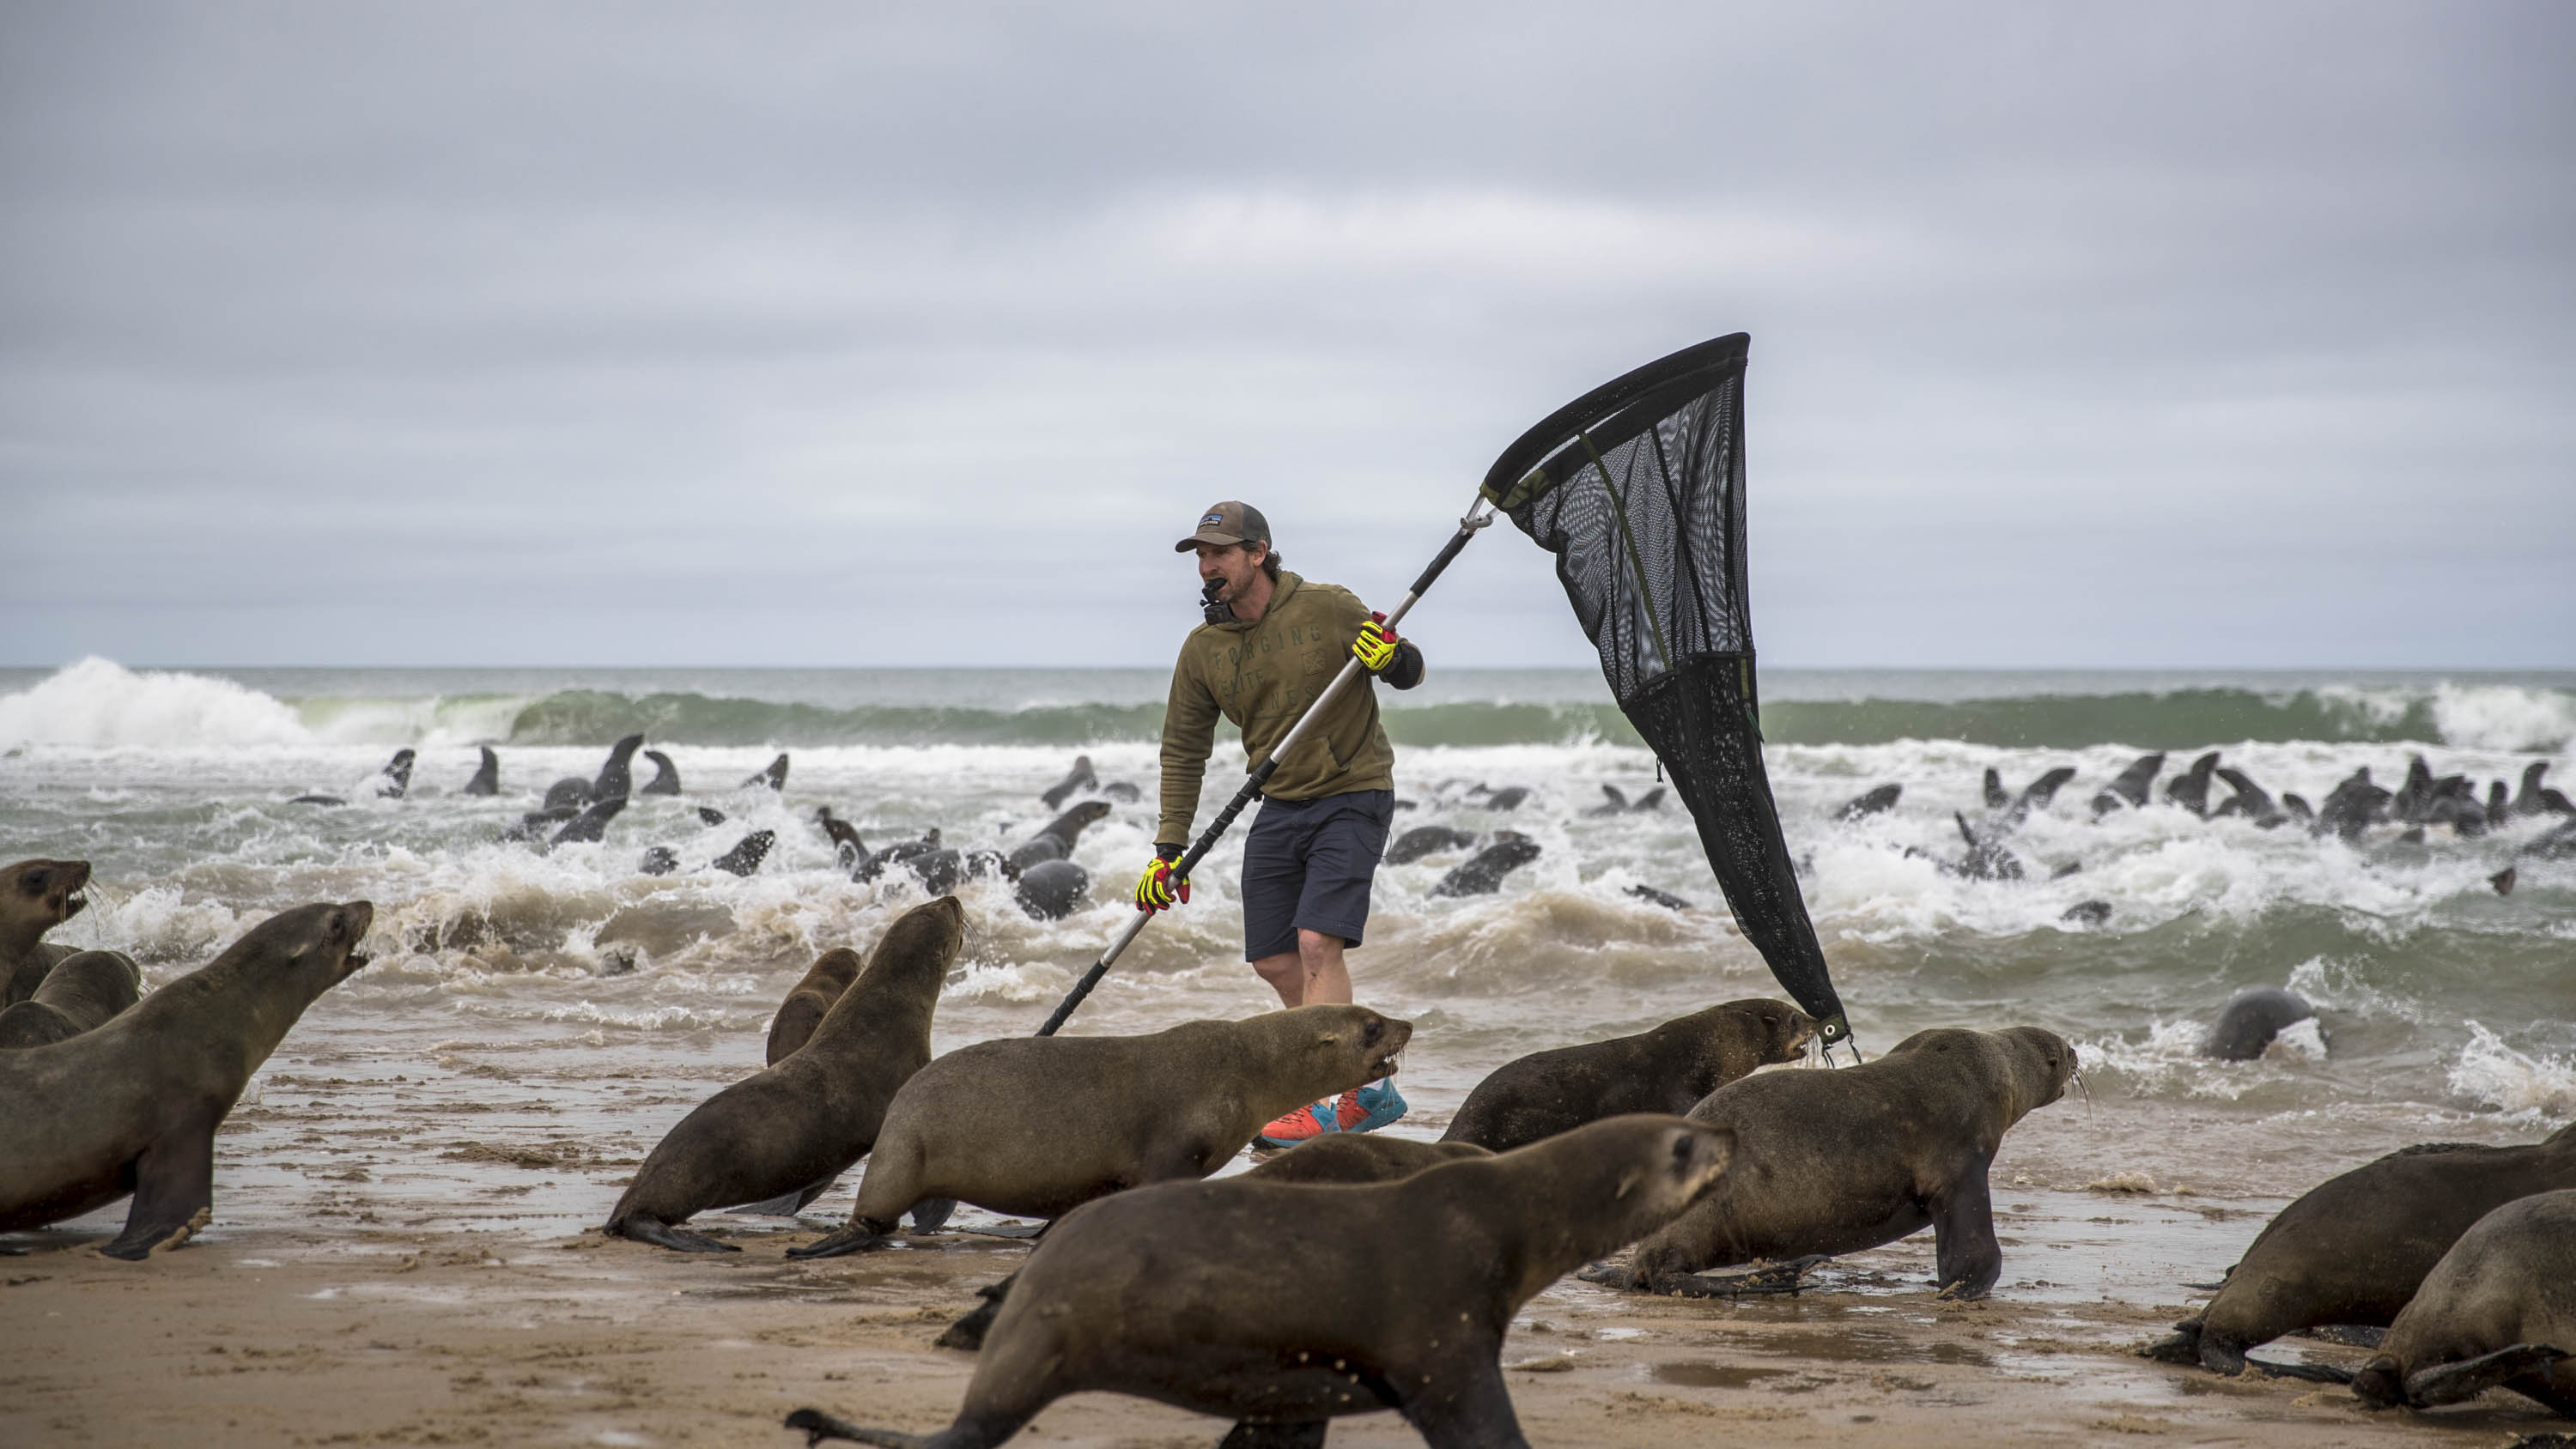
(1271, 643)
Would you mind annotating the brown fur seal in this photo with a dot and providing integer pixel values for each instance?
(808, 1000)
(798, 1125)
(2498, 1310)
(1834, 1162)
(132, 1107)
(35, 897)
(1056, 839)
(80, 994)
(990, 1123)
(2356, 1247)
(1344, 1157)
(1668, 1069)
(1397, 1295)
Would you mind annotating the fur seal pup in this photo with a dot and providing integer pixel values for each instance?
(1834, 1162)
(1424, 840)
(1173, 1292)
(772, 776)
(809, 999)
(80, 994)
(984, 1124)
(1668, 1069)
(1869, 802)
(1081, 778)
(796, 1126)
(2498, 1310)
(1051, 889)
(487, 776)
(616, 778)
(1483, 872)
(2128, 789)
(1056, 839)
(132, 1107)
(568, 793)
(2356, 1247)
(846, 844)
(666, 776)
(396, 782)
(747, 853)
(35, 897)
(2249, 1021)
(2190, 789)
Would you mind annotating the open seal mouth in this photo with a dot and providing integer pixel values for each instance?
(76, 902)
(1385, 1066)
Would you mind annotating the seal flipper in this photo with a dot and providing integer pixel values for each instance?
(855, 1236)
(2311, 1373)
(789, 1204)
(1966, 1256)
(1475, 1414)
(1249, 1435)
(818, 1426)
(968, 1332)
(931, 1214)
(2451, 1382)
(660, 1234)
(174, 1192)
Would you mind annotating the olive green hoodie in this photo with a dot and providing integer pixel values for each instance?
(1262, 676)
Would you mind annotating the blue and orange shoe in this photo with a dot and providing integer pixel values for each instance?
(1363, 1109)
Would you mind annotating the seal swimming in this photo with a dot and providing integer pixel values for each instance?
(1834, 1162)
(1055, 840)
(133, 1106)
(1173, 1293)
(2355, 1247)
(1667, 1069)
(1051, 889)
(35, 897)
(487, 776)
(2250, 1020)
(1483, 873)
(666, 776)
(80, 994)
(2499, 1310)
(984, 1124)
(797, 1125)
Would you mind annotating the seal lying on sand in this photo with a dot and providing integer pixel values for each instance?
(80, 994)
(1344, 1157)
(1174, 1293)
(2249, 1021)
(35, 897)
(796, 1126)
(1667, 1069)
(2356, 1247)
(985, 1124)
(132, 1107)
(1834, 1162)
(2498, 1310)
(809, 999)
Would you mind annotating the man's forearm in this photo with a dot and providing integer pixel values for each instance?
(1406, 669)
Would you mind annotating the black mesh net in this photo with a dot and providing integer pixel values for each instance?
(1638, 489)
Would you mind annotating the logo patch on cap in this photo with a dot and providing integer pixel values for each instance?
(1212, 518)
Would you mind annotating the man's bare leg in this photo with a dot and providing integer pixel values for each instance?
(1311, 975)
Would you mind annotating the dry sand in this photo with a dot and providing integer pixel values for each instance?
(361, 1335)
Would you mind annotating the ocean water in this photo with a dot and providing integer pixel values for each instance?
(534, 1019)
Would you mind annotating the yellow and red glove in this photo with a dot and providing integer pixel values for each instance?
(1159, 890)
(1375, 648)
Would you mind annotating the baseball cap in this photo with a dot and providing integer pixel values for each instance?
(1227, 523)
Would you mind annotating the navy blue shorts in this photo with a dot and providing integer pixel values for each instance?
(1307, 865)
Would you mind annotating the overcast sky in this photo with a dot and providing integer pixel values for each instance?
(2171, 335)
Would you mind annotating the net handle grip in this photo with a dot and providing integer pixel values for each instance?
(1478, 517)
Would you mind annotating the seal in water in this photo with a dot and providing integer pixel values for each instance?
(133, 1106)
(1081, 778)
(666, 776)
(35, 897)
(397, 776)
(1834, 1162)
(2358, 1244)
(985, 1123)
(2190, 789)
(1869, 802)
(616, 778)
(1051, 889)
(747, 853)
(1173, 1293)
(809, 999)
(2499, 1310)
(567, 793)
(487, 776)
(1346, 1157)
(796, 1126)
(1483, 873)
(2356, 1247)
(774, 777)
(2128, 790)
(1668, 1069)
(1055, 841)
(846, 844)
(1424, 840)
(587, 827)
(2249, 1021)
(80, 994)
